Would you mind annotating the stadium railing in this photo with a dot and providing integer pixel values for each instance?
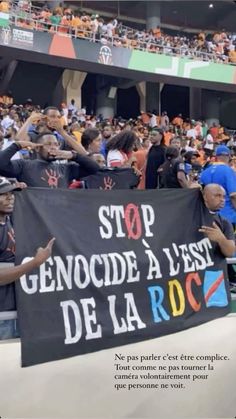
(17, 14)
(81, 33)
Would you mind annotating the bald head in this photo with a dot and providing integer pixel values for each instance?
(214, 197)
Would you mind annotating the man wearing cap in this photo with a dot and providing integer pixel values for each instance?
(222, 174)
(8, 326)
(7, 255)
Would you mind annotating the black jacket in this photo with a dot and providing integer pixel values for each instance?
(155, 158)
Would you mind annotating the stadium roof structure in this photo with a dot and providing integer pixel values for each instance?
(194, 14)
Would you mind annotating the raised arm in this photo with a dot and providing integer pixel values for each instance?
(7, 167)
(34, 118)
(8, 275)
(70, 141)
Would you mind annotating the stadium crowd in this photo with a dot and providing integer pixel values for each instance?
(218, 47)
(66, 148)
(114, 143)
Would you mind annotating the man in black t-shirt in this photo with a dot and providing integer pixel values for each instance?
(8, 327)
(46, 171)
(172, 172)
(155, 158)
(221, 232)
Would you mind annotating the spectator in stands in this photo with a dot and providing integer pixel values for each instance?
(141, 161)
(172, 172)
(9, 138)
(8, 119)
(232, 55)
(55, 19)
(208, 143)
(155, 158)
(99, 159)
(107, 134)
(164, 121)
(91, 140)
(176, 142)
(45, 171)
(120, 149)
(178, 121)
(214, 130)
(7, 254)
(49, 121)
(222, 174)
(8, 328)
(221, 232)
(72, 107)
(75, 130)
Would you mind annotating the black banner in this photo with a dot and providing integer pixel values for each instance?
(115, 178)
(126, 266)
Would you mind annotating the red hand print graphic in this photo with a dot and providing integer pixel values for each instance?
(52, 178)
(11, 243)
(108, 184)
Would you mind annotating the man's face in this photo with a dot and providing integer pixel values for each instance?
(50, 147)
(107, 132)
(12, 114)
(7, 203)
(99, 158)
(193, 159)
(146, 144)
(95, 145)
(176, 143)
(53, 115)
(214, 199)
(155, 138)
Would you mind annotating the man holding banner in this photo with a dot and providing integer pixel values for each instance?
(221, 232)
(7, 255)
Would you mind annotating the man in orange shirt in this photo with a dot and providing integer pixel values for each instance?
(178, 120)
(76, 21)
(141, 161)
(232, 56)
(168, 135)
(214, 131)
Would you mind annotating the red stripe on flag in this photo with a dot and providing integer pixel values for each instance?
(214, 287)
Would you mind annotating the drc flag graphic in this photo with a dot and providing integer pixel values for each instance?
(214, 289)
